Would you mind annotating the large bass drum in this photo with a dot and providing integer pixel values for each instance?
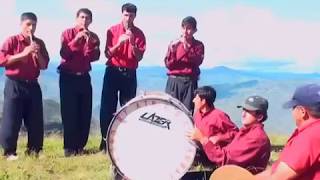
(147, 140)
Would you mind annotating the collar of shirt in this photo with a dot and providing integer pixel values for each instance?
(245, 129)
(133, 28)
(307, 124)
(206, 113)
(22, 38)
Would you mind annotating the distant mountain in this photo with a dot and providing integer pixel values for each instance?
(232, 87)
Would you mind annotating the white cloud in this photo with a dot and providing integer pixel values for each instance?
(240, 33)
(10, 19)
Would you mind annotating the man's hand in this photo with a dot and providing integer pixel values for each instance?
(84, 33)
(214, 139)
(195, 134)
(131, 37)
(122, 39)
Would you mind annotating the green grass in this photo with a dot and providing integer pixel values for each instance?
(53, 165)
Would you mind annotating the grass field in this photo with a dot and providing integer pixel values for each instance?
(53, 165)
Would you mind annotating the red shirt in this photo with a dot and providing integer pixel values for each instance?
(249, 149)
(182, 62)
(25, 70)
(216, 123)
(77, 55)
(302, 152)
(124, 57)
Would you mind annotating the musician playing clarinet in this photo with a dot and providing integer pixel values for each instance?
(23, 56)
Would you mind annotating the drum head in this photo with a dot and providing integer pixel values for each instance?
(147, 140)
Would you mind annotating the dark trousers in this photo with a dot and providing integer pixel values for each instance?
(22, 101)
(182, 88)
(76, 109)
(116, 81)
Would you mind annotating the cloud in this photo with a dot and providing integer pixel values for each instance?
(10, 19)
(236, 34)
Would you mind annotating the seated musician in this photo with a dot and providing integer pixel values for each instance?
(300, 158)
(212, 122)
(250, 148)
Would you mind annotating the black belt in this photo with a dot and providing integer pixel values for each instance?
(184, 77)
(121, 69)
(72, 73)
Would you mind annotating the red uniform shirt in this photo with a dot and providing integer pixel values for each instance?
(249, 149)
(77, 56)
(124, 57)
(216, 123)
(302, 152)
(182, 62)
(24, 70)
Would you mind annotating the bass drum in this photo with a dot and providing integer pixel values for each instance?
(147, 140)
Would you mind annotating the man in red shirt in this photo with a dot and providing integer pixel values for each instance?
(211, 122)
(300, 158)
(23, 56)
(125, 47)
(80, 47)
(184, 56)
(250, 147)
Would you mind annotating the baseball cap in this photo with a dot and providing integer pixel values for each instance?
(306, 95)
(255, 103)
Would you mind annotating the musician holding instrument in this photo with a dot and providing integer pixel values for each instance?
(79, 48)
(125, 47)
(183, 58)
(23, 56)
(211, 122)
(250, 148)
(300, 158)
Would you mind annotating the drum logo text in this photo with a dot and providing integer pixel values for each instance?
(155, 120)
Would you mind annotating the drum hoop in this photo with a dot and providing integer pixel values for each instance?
(185, 110)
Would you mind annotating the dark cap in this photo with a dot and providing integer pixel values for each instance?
(255, 103)
(306, 95)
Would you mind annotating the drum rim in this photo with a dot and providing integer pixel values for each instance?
(185, 110)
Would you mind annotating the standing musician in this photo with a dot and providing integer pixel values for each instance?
(23, 56)
(125, 47)
(80, 47)
(183, 58)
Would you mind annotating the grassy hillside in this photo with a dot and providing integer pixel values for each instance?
(53, 165)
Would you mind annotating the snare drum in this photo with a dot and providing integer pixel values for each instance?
(147, 138)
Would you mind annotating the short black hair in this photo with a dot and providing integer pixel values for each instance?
(208, 93)
(189, 20)
(264, 114)
(314, 111)
(28, 15)
(85, 11)
(129, 7)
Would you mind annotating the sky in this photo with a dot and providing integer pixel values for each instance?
(273, 35)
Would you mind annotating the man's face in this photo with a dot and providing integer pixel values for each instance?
(128, 18)
(297, 114)
(28, 27)
(187, 31)
(198, 103)
(83, 20)
(248, 117)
